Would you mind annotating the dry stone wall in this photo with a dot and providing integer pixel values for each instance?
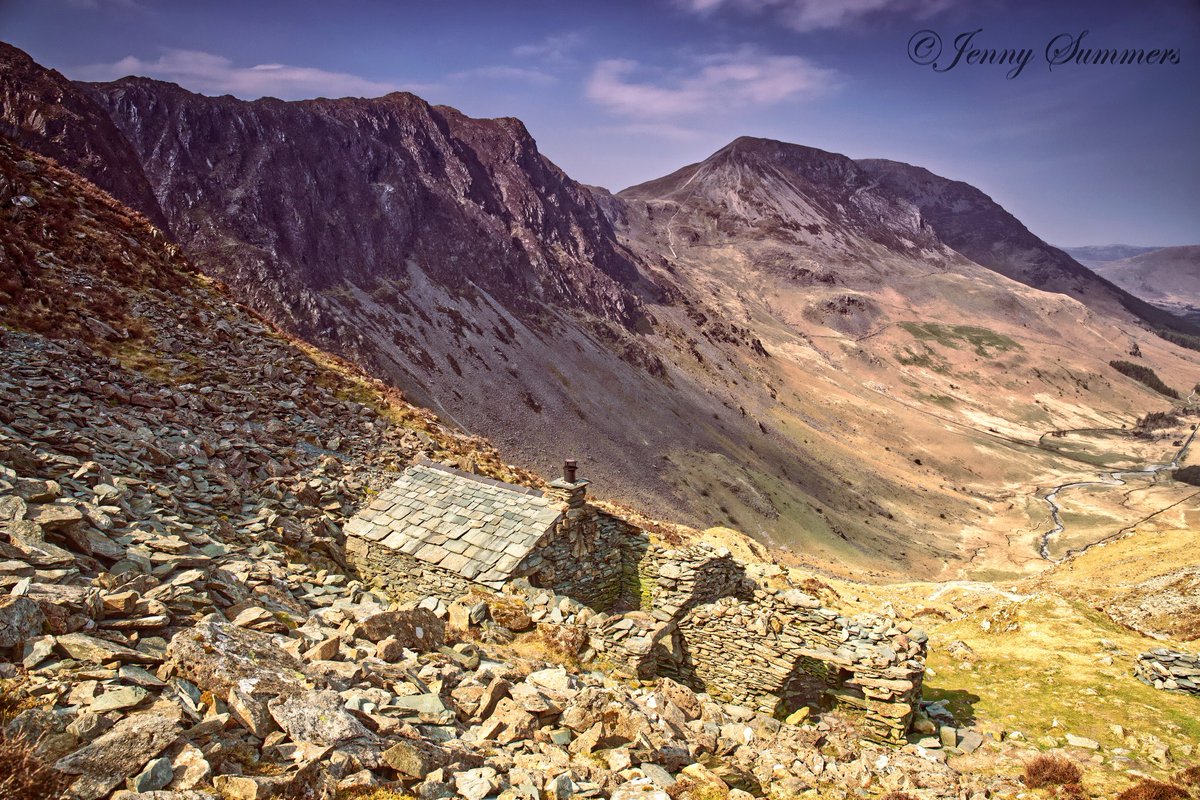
(674, 580)
(582, 557)
(648, 642)
(1172, 670)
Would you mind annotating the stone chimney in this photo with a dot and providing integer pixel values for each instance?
(570, 488)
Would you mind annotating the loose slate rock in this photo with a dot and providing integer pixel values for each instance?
(122, 751)
(99, 651)
(119, 699)
(156, 775)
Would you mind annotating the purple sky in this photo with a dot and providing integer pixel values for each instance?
(620, 92)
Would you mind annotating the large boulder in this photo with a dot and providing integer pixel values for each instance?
(245, 667)
(218, 657)
(317, 717)
(122, 752)
(416, 758)
(680, 696)
(417, 629)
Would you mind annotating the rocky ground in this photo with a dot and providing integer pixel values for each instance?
(176, 621)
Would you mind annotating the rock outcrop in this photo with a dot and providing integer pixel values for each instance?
(47, 113)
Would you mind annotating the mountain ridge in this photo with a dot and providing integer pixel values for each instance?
(1092, 255)
(793, 339)
(1023, 256)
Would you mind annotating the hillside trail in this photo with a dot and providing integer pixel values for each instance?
(1115, 478)
(670, 235)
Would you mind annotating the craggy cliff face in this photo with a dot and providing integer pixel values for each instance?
(322, 193)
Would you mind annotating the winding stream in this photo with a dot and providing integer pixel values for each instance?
(1116, 478)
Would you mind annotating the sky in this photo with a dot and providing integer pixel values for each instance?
(617, 93)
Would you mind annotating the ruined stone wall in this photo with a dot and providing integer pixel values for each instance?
(1173, 670)
(781, 649)
(402, 576)
(647, 643)
(673, 580)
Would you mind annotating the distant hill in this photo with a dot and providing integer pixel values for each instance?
(1094, 254)
(1168, 277)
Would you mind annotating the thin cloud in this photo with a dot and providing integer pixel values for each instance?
(505, 73)
(557, 49)
(812, 15)
(661, 130)
(208, 73)
(720, 82)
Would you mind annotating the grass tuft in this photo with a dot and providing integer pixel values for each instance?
(13, 699)
(24, 775)
(1154, 790)
(374, 793)
(1047, 770)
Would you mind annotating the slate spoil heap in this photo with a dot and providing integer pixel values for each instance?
(174, 620)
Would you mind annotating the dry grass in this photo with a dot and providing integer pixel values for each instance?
(13, 699)
(44, 249)
(374, 793)
(1154, 790)
(557, 644)
(1189, 777)
(24, 776)
(511, 612)
(689, 789)
(1048, 770)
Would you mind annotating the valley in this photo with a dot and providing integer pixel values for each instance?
(1109, 501)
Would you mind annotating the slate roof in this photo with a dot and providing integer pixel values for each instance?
(479, 528)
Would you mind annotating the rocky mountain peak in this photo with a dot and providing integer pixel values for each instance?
(355, 189)
(763, 187)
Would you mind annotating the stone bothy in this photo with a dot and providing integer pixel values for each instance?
(438, 530)
(690, 613)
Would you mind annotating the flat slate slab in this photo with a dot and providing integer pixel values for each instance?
(476, 527)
